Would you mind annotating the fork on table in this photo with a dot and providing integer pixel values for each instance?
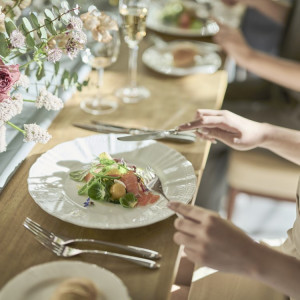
(66, 251)
(39, 231)
(153, 182)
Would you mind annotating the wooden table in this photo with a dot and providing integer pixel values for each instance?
(172, 102)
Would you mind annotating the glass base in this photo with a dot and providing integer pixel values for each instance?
(99, 106)
(133, 95)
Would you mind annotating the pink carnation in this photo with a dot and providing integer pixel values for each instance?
(8, 76)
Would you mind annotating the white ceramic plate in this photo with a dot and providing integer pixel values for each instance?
(155, 22)
(52, 189)
(160, 59)
(39, 282)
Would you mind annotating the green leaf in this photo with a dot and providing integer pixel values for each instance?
(27, 26)
(27, 70)
(55, 11)
(74, 78)
(50, 26)
(97, 191)
(9, 26)
(29, 41)
(48, 13)
(56, 67)
(65, 79)
(4, 50)
(128, 201)
(43, 34)
(34, 20)
(40, 72)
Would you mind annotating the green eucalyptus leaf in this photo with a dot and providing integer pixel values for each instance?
(55, 11)
(27, 26)
(4, 50)
(40, 72)
(34, 20)
(74, 78)
(9, 26)
(27, 70)
(43, 34)
(29, 41)
(48, 13)
(50, 26)
(56, 67)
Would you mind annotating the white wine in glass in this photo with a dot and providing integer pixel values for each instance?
(134, 14)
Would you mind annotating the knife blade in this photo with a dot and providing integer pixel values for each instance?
(108, 128)
(183, 137)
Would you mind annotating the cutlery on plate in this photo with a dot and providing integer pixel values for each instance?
(153, 182)
(38, 230)
(170, 135)
(65, 251)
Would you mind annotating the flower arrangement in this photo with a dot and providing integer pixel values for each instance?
(26, 49)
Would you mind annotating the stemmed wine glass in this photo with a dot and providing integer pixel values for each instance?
(134, 13)
(99, 56)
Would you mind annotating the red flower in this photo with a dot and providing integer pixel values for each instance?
(8, 76)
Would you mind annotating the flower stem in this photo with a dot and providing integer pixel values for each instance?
(25, 65)
(15, 127)
(28, 100)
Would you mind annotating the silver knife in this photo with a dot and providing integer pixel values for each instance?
(173, 134)
(108, 128)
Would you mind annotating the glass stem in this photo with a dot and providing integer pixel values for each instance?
(133, 55)
(99, 82)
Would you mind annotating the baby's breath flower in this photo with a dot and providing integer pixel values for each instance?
(48, 100)
(75, 43)
(54, 55)
(75, 23)
(79, 36)
(17, 39)
(2, 137)
(34, 133)
(11, 107)
(23, 81)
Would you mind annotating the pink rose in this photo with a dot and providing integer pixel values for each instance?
(8, 76)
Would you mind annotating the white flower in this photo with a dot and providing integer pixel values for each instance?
(23, 81)
(48, 100)
(54, 55)
(76, 9)
(11, 107)
(2, 137)
(34, 133)
(17, 39)
(75, 23)
(99, 24)
(79, 36)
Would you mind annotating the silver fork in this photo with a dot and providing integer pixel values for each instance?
(153, 182)
(65, 251)
(37, 229)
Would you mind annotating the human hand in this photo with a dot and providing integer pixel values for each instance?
(212, 241)
(234, 44)
(233, 130)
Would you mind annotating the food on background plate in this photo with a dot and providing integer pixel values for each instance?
(113, 180)
(181, 14)
(184, 55)
(77, 289)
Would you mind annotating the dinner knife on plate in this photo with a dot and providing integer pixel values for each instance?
(139, 133)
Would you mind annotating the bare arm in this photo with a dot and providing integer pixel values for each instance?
(243, 134)
(278, 70)
(212, 241)
(276, 10)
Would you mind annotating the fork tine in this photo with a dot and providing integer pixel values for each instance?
(36, 231)
(37, 226)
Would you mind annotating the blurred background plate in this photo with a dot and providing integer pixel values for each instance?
(179, 18)
(161, 59)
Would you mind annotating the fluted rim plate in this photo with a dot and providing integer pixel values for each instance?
(52, 189)
(40, 281)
